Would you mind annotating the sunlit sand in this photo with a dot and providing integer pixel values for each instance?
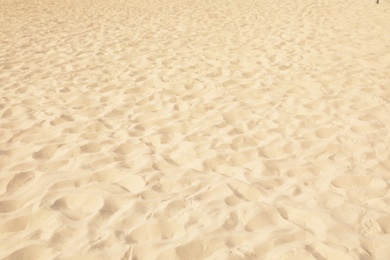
(178, 129)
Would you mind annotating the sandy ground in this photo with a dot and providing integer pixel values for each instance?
(202, 129)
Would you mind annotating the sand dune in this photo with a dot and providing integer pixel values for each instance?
(200, 129)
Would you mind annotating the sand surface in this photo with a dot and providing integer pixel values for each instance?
(194, 129)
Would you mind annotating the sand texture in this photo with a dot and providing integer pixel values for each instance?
(194, 129)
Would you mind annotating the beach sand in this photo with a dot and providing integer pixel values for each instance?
(194, 129)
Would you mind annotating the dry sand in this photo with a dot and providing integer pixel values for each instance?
(194, 129)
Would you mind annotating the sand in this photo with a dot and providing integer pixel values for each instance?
(202, 129)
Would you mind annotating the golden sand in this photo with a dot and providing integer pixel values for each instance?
(194, 129)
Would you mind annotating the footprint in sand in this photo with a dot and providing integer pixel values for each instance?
(357, 185)
(20, 180)
(91, 147)
(7, 206)
(15, 225)
(30, 252)
(46, 152)
(78, 205)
